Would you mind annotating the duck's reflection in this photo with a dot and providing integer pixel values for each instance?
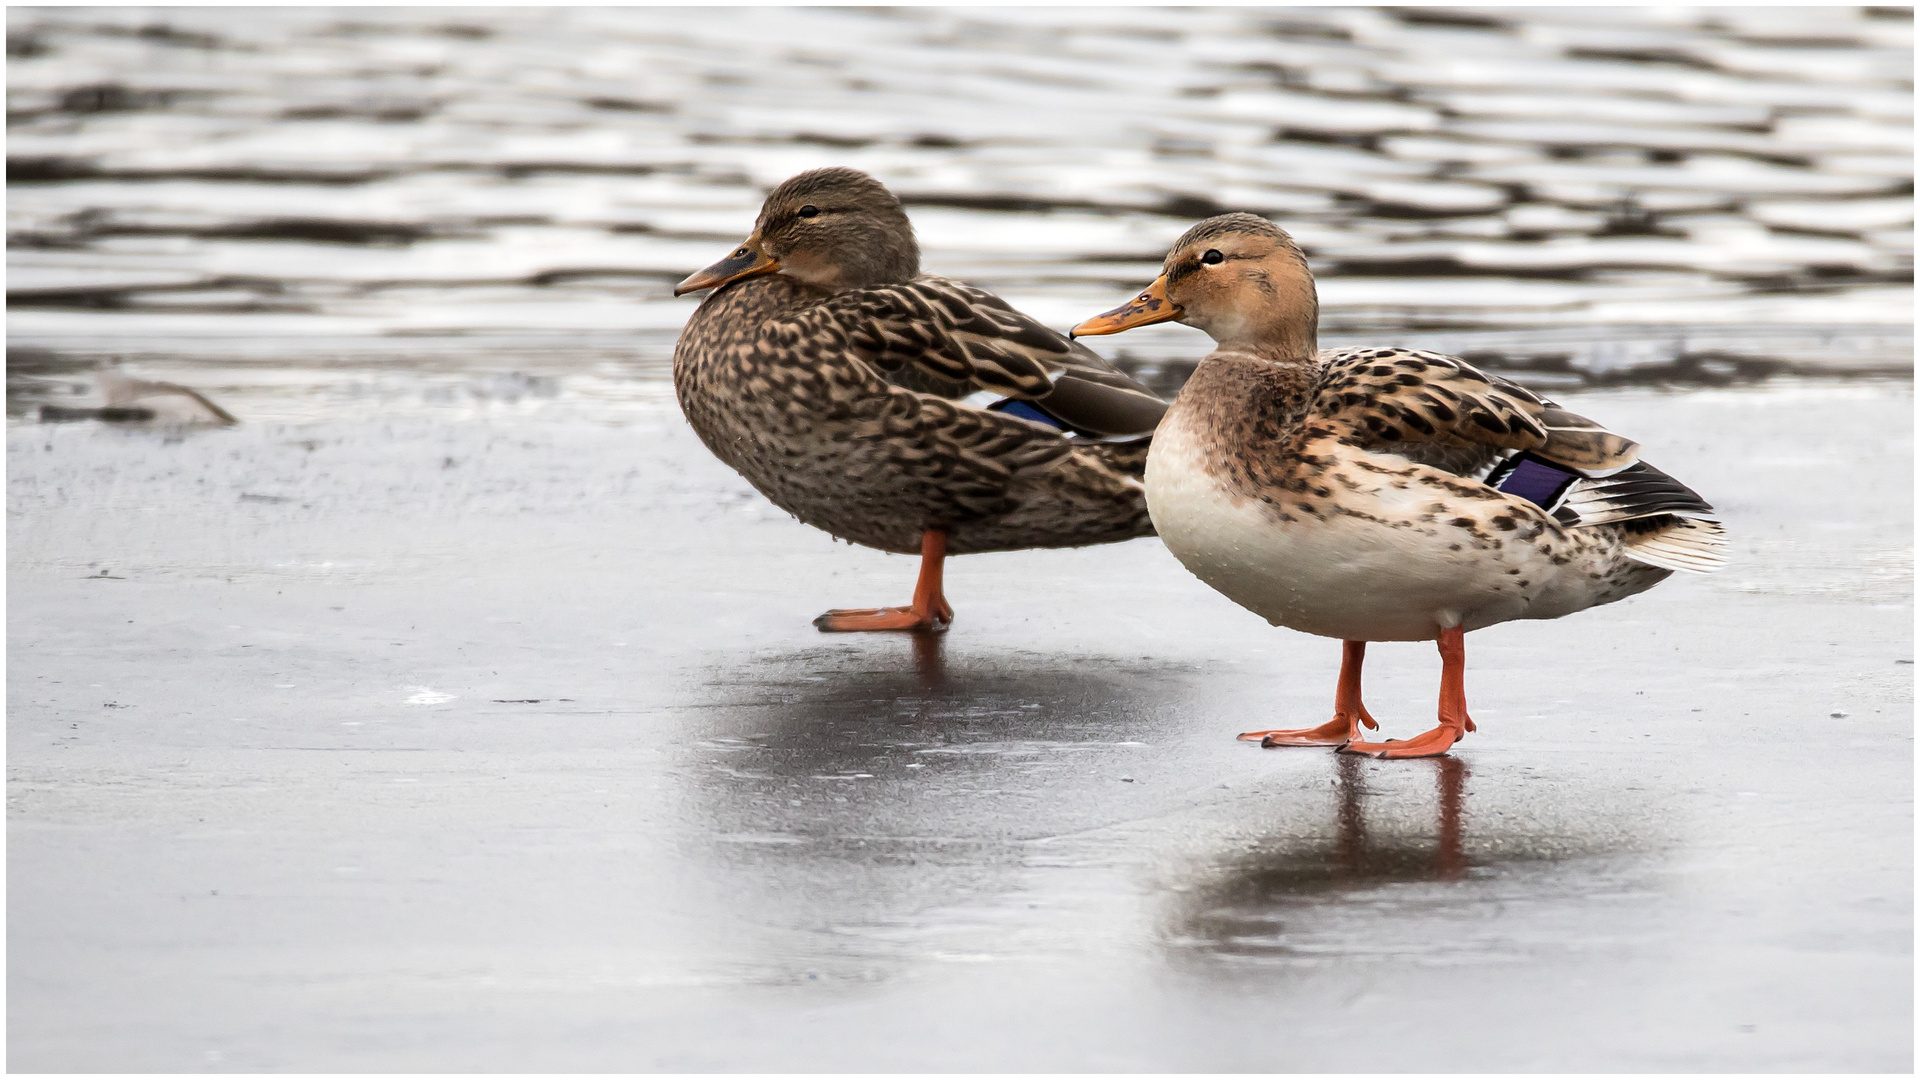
(865, 809)
(1449, 862)
(1359, 855)
(1359, 860)
(930, 660)
(1399, 859)
(1405, 824)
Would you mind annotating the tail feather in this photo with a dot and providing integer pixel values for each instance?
(1689, 544)
(1638, 491)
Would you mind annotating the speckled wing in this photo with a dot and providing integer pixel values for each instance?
(1444, 412)
(936, 335)
(968, 457)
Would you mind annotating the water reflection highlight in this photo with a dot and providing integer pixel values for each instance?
(1394, 864)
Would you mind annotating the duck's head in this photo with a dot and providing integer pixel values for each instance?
(1240, 278)
(834, 228)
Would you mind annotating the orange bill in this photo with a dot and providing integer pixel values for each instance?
(746, 261)
(1149, 307)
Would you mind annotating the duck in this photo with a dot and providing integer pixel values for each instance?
(1384, 494)
(899, 410)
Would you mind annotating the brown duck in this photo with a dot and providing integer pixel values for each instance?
(899, 410)
(1383, 494)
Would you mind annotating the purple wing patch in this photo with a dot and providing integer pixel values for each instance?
(1533, 479)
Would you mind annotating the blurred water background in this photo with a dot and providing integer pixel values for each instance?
(300, 210)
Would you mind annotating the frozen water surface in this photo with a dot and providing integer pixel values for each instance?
(457, 710)
(484, 727)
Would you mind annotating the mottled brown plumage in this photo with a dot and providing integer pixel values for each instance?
(869, 400)
(1376, 494)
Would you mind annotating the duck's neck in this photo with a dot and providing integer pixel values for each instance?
(1288, 335)
(1295, 351)
(1242, 414)
(1236, 387)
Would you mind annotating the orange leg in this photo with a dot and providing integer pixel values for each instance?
(929, 610)
(1348, 712)
(1454, 721)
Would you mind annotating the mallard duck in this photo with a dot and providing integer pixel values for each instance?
(1384, 494)
(898, 410)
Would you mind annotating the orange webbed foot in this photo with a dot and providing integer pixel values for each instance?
(1454, 721)
(849, 620)
(1349, 713)
(929, 612)
(1335, 732)
(1427, 744)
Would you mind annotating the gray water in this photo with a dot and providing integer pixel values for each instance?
(304, 208)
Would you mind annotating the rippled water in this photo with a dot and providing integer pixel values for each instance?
(275, 196)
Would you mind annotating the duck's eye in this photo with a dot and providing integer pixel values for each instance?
(1212, 257)
(809, 211)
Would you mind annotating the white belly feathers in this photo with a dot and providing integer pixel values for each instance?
(1374, 564)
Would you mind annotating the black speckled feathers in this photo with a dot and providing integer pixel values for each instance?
(1441, 411)
(1377, 397)
(843, 409)
(968, 339)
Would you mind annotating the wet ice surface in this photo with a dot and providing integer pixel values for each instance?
(482, 730)
(1577, 193)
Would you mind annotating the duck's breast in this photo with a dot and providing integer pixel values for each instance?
(1374, 553)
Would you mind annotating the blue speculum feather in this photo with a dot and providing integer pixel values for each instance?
(1530, 478)
(1016, 407)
